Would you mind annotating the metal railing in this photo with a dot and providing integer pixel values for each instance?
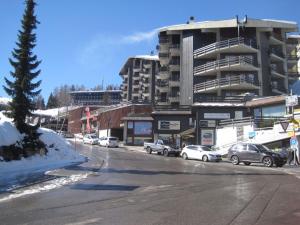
(225, 44)
(276, 52)
(227, 81)
(207, 98)
(235, 60)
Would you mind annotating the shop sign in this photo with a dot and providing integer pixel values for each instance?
(207, 123)
(168, 125)
(222, 116)
(207, 137)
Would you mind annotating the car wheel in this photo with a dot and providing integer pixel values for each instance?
(235, 160)
(267, 161)
(166, 153)
(205, 158)
(184, 156)
(247, 163)
(149, 151)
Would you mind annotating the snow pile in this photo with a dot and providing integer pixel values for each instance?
(60, 153)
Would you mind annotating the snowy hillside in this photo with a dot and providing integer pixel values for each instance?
(60, 152)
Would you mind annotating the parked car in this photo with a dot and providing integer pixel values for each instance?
(159, 147)
(109, 142)
(255, 153)
(200, 152)
(90, 139)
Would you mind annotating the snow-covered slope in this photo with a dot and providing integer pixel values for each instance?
(60, 152)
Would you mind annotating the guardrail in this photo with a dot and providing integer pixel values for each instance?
(228, 81)
(225, 44)
(224, 62)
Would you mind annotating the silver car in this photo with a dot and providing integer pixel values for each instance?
(200, 152)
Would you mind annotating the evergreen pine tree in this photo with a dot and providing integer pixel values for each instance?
(23, 89)
(52, 102)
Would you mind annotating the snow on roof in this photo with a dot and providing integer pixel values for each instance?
(5, 100)
(97, 91)
(233, 23)
(296, 36)
(54, 112)
(147, 57)
(220, 104)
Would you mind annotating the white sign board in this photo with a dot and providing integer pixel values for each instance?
(222, 116)
(168, 125)
(291, 100)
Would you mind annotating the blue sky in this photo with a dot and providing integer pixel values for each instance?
(85, 41)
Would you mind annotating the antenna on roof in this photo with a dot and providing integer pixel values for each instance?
(241, 23)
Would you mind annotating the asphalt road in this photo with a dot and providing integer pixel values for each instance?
(129, 188)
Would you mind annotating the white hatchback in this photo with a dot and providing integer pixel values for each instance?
(90, 139)
(200, 152)
(109, 142)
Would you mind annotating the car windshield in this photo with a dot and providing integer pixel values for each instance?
(93, 136)
(112, 139)
(204, 148)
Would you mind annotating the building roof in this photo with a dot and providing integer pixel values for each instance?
(218, 104)
(171, 112)
(98, 91)
(270, 100)
(144, 57)
(261, 23)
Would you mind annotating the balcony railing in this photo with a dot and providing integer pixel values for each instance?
(225, 44)
(163, 55)
(238, 60)
(228, 81)
(236, 99)
(276, 52)
(163, 40)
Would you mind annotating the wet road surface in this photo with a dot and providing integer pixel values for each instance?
(131, 188)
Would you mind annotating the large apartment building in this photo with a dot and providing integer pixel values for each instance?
(139, 73)
(219, 59)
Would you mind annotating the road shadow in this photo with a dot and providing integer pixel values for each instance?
(104, 187)
(162, 172)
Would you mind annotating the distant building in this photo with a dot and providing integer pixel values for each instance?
(139, 78)
(96, 98)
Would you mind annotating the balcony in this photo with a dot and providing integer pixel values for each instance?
(163, 58)
(276, 55)
(136, 77)
(241, 82)
(236, 63)
(174, 65)
(144, 74)
(174, 98)
(278, 90)
(234, 45)
(162, 86)
(135, 85)
(277, 73)
(137, 68)
(147, 65)
(175, 49)
(275, 39)
(174, 83)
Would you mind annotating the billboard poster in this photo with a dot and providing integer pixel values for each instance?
(207, 137)
(143, 128)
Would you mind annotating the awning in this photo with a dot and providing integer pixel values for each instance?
(189, 133)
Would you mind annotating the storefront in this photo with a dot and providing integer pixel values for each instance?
(208, 116)
(168, 125)
(138, 129)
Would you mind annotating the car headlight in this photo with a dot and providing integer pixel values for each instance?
(211, 155)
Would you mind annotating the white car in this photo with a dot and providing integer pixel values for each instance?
(90, 139)
(109, 142)
(200, 152)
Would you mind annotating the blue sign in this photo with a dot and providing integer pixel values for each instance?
(293, 141)
(252, 134)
